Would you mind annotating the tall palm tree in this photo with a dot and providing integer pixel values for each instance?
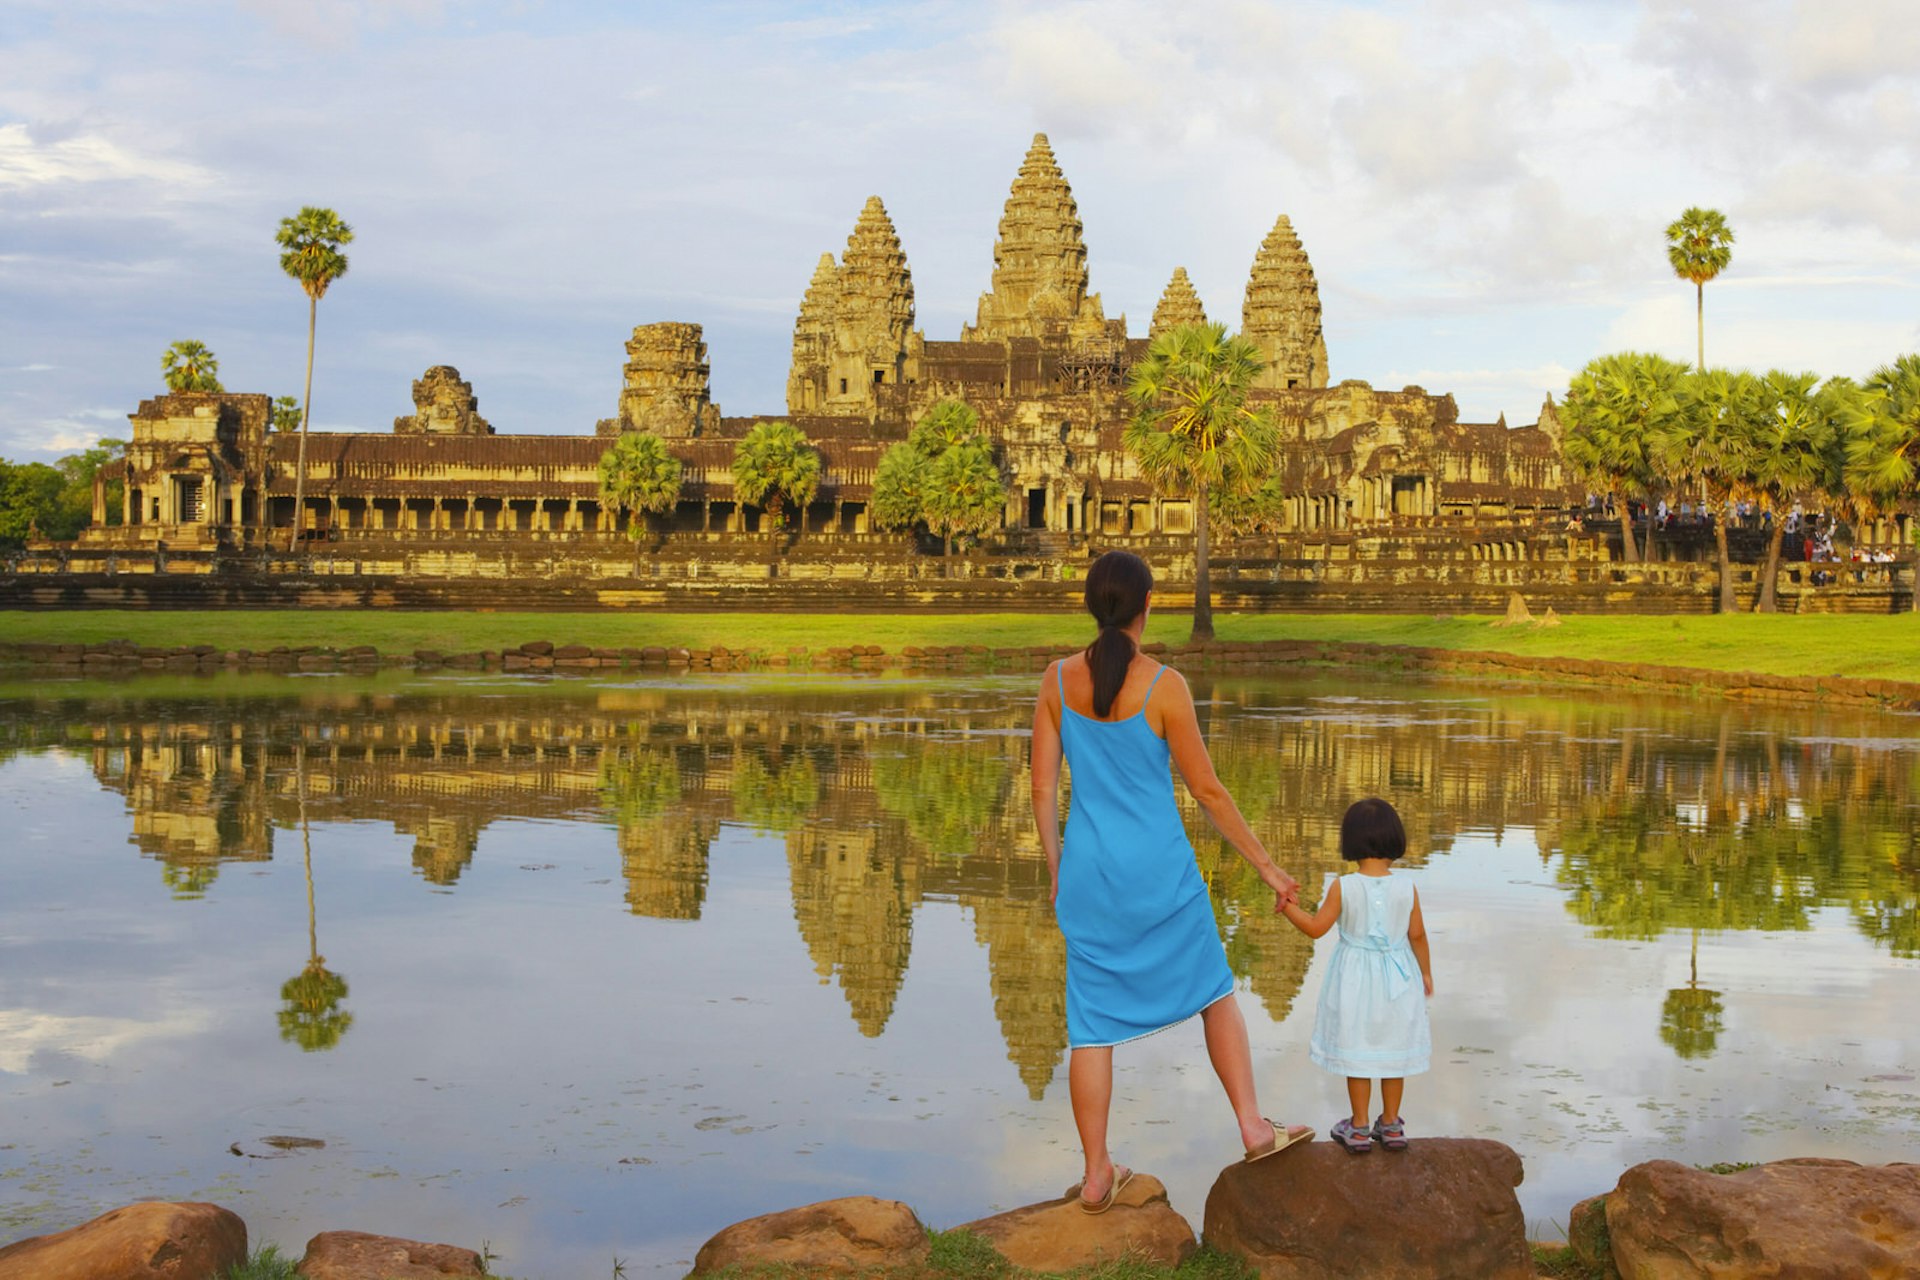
(310, 252)
(190, 366)
(1794, 454)
(1193, 431)
(776, 465)
(1614, 407)
(641, 477)
(1700, 245)
(1708, 448)
(1883, 444)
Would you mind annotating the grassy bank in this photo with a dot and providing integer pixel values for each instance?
(1845, 645)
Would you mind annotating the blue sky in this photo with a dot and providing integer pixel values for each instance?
(1482, 187)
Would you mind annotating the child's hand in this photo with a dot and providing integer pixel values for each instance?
(1426, 980)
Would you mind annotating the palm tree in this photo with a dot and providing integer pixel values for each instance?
(1708, 447)
(310, 243)
(1193, 432)
(1883, 437)
(1794, 454)
(639, 476)
(285, 414)
(899, 487)
(948, 423)
(1700, 245)
(1614, 407)
(964, 491)
(190, 366)
(776, 465)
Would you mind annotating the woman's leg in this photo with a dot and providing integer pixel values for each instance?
(1359, 1093)
(1232, 1058)
(1090, 1084)
(1390, 1094)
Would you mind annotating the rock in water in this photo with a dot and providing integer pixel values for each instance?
(355, 1255)
(833, 1237)
(1810, 1219)
(1443, 1208)
(1057, 1235)
(152, 1241)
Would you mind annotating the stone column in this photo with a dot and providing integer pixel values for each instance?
(571, 521)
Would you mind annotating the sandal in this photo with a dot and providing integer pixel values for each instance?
(1357, 1141)
(1390, 1134)
(1121, 1177)
(1283, 1137)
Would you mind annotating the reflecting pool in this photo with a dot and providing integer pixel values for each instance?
(584, 970)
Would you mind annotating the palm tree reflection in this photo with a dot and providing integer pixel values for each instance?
(310, 1012)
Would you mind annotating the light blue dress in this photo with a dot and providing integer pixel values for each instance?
(1372, 1019)
(1143, 952)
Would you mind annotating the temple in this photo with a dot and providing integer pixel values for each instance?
(1044, 366)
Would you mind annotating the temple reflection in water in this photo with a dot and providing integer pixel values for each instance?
(1653, 816)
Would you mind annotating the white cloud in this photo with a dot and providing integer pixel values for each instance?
(81, 158)
(26, 1035)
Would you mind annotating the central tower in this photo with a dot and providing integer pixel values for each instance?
(1039, 262)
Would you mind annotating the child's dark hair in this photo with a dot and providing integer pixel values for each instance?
(1116, 592)
(1371, 829)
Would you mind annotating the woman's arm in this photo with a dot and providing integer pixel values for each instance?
(1182, 728)
(1319, 922)
(1417, 936)
(1044, 764)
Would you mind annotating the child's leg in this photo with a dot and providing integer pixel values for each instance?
(1359, 1093)
(1390, 1092)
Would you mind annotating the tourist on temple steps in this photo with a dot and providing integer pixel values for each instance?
(1142, 950)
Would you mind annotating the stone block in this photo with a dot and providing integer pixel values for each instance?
(833, 1237)
(537, 648)
(355, 1255)
(572, 651)
(1587, 1237)
(156, 1240)
(1057, 1235)
(1443, 1208)
(1813, 1219)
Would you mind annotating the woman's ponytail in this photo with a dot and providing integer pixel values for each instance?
(1117, 587)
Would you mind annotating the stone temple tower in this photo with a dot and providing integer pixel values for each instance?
(1178, 306)
(855, 323)
(1282, 313)
(1039, 262)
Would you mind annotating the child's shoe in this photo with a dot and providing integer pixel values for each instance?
(1357, 1141)
(1391, 1134)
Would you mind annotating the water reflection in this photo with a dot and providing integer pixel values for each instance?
(1652, 816)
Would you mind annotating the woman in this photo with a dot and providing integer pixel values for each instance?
(1142, 950)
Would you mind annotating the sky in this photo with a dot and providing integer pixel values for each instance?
(1482, 186)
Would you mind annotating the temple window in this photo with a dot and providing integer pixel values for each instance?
(879, 376)
(843, 386)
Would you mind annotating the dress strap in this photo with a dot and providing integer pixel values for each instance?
(1060, 683)
(1156, 680)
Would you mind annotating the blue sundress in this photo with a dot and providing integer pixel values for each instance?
(1372, 1018)
(1143, 953)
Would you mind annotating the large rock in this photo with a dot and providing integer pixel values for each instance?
(1444, 1207)
(355, 1255)
(833, 1237)
(1803, 1218)
(1057, 1235)
(151, 1241)
(1587, 1236)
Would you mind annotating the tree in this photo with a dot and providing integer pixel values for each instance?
(964, 492)
(641, 477)
(30, 494)
(776, 465)
(1700, 245)
(1613, 410)
(189, 366)
(310, 1013)
(1194, 433)
(1709, 447)
(1796, 429)
(943, 475)
(286, 414)
(310, 253)
(1883, 438)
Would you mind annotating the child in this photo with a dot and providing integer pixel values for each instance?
(1372, 1019)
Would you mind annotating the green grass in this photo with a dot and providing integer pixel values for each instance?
(961, 1255)
(264, 1263)
(1559, 1262)
(1875, 647)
